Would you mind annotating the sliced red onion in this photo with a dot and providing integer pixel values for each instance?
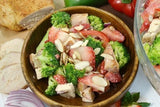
(23, 98)
(107, 24)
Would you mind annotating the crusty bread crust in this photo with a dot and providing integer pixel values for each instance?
(13, 11)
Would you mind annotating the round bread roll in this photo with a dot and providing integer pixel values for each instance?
(18, 15)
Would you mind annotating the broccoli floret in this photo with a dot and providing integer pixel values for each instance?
(61, 20)
(49, 63)
(154, 52)
(146, 47)
(94, 43)
(121, 53)
(72, 74)
(52, 84)
(60, 71)
(96, 22)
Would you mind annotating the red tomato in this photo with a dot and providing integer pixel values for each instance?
(60, 79)
(98, 34)
(117, 5)
(126, 8)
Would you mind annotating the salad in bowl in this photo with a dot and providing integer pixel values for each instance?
(147, 38)
(79, 56)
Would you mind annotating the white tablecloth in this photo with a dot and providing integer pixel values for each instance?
(140, 84)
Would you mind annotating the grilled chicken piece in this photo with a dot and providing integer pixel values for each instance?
(88, 95)
(81, 87)
(66, 90)
(111, 64)
(153, 30)
(14, 45)
(36, 64)
(77, 19)
(11, 78)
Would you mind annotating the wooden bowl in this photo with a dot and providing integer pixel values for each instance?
(116, 91)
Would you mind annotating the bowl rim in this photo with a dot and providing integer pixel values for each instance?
(110, 100)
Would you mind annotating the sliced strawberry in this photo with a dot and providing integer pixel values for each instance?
(113, 77)
(113, 34)
(101, 68)
(86, 53)
(146, 4)
(52, 33)
(87, 80)
(147, 13)
(85, 27)
(61, 35)
(97, 34)
(55, 34)
(60, 79)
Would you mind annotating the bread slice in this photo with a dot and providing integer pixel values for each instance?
(14, 45)
(10, 59)
(18, 15)
(11, 78)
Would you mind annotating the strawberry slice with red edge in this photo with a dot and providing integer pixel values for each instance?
(56, 33)
(113, 77)
(52, 33)
(60, 79)
(101, 68)
(113, 34)
(86, 54)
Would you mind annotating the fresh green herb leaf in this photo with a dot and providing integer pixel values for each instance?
(127, 99)
(131, 99)
(144, 104)
(135, 97)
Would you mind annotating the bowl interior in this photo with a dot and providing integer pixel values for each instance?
(116, 90)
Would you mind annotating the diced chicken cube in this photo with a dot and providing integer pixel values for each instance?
(88, 95)
(66, 90)
(77, 19)
(111, 63)
(152, 31)
(81, 87)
